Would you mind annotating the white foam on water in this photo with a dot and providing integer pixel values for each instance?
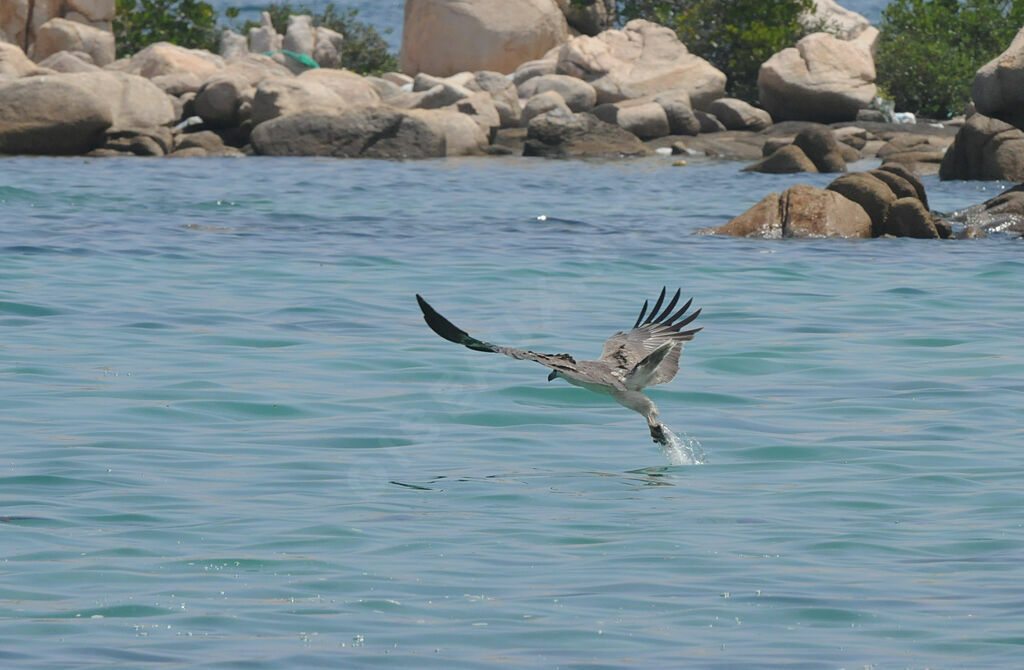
(683, 450)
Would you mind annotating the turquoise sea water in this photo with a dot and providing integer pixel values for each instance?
(228, 440)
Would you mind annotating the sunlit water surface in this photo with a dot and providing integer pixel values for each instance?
(229, 440)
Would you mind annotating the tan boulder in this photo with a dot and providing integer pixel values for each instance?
(821, 79)
(354, 132)
(442, 37)
(871, 193)
(578, 94)
(787, 159)
(94, 11)
(735, 114)
(164, 58)
(503, 94)
(13, 21)
(641, 59)
(223, 99)
(135, 101)
(352, 88)
(542, 103)
(287, 95)
(69, 61)
(562, 134)
(909, 218)
(60, 34)
(14, 63)
(800, 211)
(985, 148)
(682, 120)
(646, 120)
(822, 148)
(51, 115)
(463, 135)
(998, 86)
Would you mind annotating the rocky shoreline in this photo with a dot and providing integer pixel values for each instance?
(508, 78)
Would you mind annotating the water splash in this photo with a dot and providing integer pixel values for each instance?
(683, 450)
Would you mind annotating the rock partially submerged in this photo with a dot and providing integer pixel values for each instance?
(883, 202)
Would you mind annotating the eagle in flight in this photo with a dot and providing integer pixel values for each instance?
(646, 355)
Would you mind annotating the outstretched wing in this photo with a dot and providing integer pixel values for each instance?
(452, 333)
(645, 349)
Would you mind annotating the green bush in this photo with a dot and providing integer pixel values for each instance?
(188, 23)
(364, 50)
(929, 50)
(735, 36)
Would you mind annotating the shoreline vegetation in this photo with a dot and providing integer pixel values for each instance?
(787, 87)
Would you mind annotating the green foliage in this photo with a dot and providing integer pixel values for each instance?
(929, 50)
(736, 36)
(365, 51)
(188, 23)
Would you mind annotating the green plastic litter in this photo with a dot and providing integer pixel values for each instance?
(302, 58)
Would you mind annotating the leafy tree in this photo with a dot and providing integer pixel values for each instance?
(736, 36)
(929, 50)
(188, 23)
(364, 50)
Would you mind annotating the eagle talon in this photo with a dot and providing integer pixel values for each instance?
(657, 433)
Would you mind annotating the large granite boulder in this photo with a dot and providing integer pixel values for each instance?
(909, 218)
(69, 61)
(821, 79)
(14, 63)
(998, 87)
(224, 98)
(541, 104)
(682, 119)
(735, 114)
(561, 135)
(641, 59)
(822, 148)
(463, 136)
(787, 159)
(578, 94)
(135, 102)
(174, 69)
(59, 34)
(985, 148)
(800, 211)
(443, 37)
(503, 93)
(353, 89)
(52, 115)
(287, 95)
(646, 120)
(871, 193)
(354, 132)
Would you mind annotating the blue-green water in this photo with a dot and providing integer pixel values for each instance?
(228, 440)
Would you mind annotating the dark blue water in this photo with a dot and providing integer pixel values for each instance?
(229, 440)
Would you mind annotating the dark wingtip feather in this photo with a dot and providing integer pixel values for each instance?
(640, 318)
(657, 305)
(669, 307)
(439, 324)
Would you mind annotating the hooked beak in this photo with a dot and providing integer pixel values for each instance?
(553, 375)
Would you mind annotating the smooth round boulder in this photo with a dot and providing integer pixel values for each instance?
(908, 218)
(821, 79)
(870, 193)
(787, 159)
(60, 34)
(355, 132)
(735, 114)
(577, 94)
(443, 37)
(558, 134)
(51, 116)
(821, 147)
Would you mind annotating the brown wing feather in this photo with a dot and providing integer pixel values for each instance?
(624, 350)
